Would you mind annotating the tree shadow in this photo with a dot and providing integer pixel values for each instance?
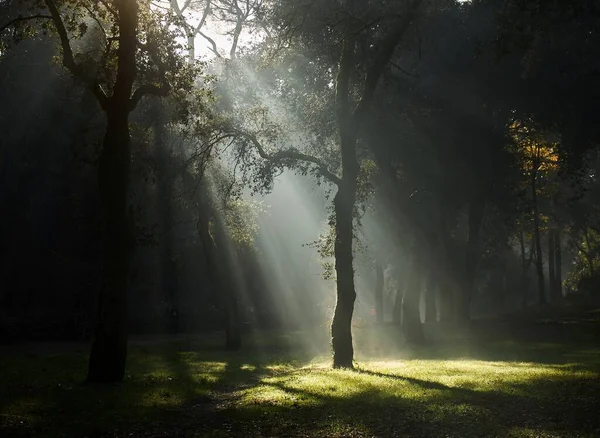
(190, 389)
(442, 411)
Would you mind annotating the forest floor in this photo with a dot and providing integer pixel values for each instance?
(523, 377)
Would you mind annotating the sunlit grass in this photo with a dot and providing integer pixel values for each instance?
(194, 390)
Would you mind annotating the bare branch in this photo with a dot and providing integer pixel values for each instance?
(186, 5)
(213, 47)
(203, 18)
(19, 19)
(176, 8)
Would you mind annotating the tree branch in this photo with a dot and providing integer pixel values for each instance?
(161, 90)
(148, 89)
(202, 19)
(212, 43)
(383, 57)
(291, 154)
(19, 19)
(68, 60)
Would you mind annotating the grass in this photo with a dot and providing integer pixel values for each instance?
(276, 387)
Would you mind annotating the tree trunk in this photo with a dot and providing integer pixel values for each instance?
(397, 310)
(167, 267)
(558, 264)
(551, 264)
(109, 347)
(219, 264)
(379, 283)
(524, 266)
(412, 327)
(341, 327)
(476, 208)
(430, 299)
(447, 295)
(539, 262)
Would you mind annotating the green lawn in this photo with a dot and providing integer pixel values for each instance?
(275, 387)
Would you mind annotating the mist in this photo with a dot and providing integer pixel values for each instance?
(299, 218)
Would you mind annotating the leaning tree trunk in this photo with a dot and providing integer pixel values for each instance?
(109, 348)
(539, 260)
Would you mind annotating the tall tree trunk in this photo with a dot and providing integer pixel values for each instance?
(341, 327)
(558, 264)
(349, 117)
(412, 327)
(379, 283)
(167, 267)
(109, 347)
(476, 208)
(539, 261)
(343, 204)
(219, 264)
(397, 309)
(551, 264)
(524, 267)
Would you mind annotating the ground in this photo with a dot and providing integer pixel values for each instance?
(511, 379)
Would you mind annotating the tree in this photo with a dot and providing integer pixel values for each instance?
(139, 58)
(351, 103)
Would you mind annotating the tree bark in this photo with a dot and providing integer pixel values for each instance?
(412, 327)
(218, 263)
(109, 347)
(539, 261)
(233, 334)
(379, 283)
(341, 327)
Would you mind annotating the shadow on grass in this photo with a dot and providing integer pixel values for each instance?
(165, 387)
(191, 388)
(363, 404)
